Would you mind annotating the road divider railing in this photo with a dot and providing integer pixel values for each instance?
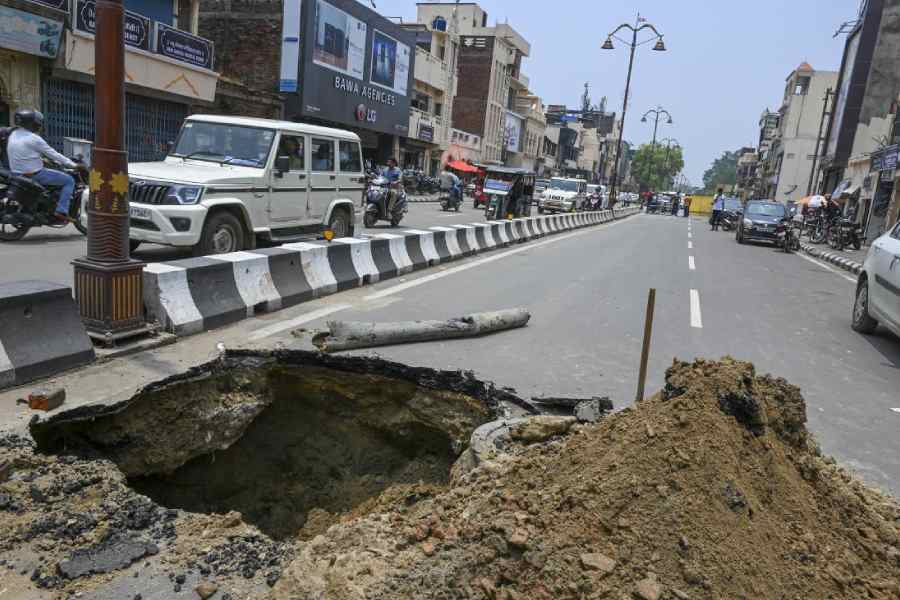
(41, 332)
(198, 294)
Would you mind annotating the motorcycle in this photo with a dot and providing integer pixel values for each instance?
(591, 202)
(787, 236)
(377, 196)
(25, 204)
(843, 232)
(728, 220)
(451, 200)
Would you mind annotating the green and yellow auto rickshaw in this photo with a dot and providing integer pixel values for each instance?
(510, 192)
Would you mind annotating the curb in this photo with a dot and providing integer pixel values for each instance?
(198, 294)
(836, 259)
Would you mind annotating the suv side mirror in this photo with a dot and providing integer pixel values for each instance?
(282, 165)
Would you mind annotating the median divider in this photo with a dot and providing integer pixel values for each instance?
(41, 332)
(199, 294)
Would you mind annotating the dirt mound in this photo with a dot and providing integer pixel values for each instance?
(710, 489)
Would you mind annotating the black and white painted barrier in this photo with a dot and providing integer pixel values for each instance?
(833, 258)
(40, 332)
(198, 294)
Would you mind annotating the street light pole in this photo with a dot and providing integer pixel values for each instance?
(608, 45)
(657, 112)
(108, 283)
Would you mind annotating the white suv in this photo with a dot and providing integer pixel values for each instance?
(878, 289)
(229, 181)
(563, 195)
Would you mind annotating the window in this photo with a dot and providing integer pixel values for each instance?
(421, 101)
(220, 143)
(442, 51)
(294, 147)
(802, 86)
(438, 108)
(350, 162)
(322, 155)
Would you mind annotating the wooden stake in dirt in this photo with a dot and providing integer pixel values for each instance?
(645, 350)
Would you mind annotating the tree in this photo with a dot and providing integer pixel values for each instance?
(655, 168)
(723, 172)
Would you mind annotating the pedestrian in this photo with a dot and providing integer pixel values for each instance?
(687, 206)
(675, 206)
(717, 208)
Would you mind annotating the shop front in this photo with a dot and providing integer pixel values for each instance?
(28, 38)
(883, 173)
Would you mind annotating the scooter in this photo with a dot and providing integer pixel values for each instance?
(377, 197)
(452, 200)
(728, 220)
(787, 236)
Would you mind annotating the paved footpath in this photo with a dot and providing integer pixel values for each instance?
(586, 290)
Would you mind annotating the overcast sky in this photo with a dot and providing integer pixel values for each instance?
(727, 60)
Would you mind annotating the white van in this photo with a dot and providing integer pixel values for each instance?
(230, 181)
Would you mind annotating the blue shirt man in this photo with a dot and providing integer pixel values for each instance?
(719, 203)
(392, 172)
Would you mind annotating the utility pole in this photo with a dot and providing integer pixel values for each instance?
(825, 113)
(108, 283)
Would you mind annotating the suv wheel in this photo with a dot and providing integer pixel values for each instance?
(222, 233)
(862, 321)
(339, 223)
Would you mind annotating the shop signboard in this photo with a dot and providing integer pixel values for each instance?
(183, 47)
(29, 33)
(355, 68)
(885, 159)
(137, 27)
(426, 132)
(62, 5)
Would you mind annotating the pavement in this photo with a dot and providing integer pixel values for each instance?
(47, 254)
(787, 313)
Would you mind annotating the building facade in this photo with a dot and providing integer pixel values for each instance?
(490, 61)
(47, 62)
(793, 148)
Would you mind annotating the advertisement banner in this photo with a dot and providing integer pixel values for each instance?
(62, 5)
(340, 41)
(290, 46)
(137, 27)
(29, 33)
(390, 63)
(184, 47)
(512, 132)
(426, 132)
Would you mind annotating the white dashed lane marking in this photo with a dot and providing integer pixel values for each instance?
(691, 264)
(696, 317)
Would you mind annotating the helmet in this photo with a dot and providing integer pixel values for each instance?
(33, 120)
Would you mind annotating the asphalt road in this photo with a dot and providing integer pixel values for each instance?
(587, 291)
(47, 253)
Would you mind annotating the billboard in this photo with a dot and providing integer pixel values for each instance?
(29, 33)
(355, 68)
(390, 63)
(339, 41)
(290, 46)
(512, 131)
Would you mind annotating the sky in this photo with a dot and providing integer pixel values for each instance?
(727, 60)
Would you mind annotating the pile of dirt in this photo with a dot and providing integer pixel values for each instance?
(711, 489)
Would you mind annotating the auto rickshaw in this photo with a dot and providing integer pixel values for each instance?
(510, 192)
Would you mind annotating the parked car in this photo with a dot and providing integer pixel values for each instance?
(229, 181)
(540, 185)
(878, 287)
(759, 221)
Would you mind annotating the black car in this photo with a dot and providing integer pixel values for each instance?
(759, 221)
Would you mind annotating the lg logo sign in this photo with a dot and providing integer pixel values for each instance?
(363, 113)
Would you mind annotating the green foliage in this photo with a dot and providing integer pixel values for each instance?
(723, 172)
(656, 168)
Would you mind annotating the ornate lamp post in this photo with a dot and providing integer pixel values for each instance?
(640, 25)
(657, 112)
(108, 283)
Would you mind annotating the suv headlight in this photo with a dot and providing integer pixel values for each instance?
(184, 194)
(748, 223)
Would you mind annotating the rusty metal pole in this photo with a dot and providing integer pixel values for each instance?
(108, 283)
(645, 349)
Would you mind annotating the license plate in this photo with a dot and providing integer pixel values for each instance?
(138, 212)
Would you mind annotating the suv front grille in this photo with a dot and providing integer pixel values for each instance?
(147, 192)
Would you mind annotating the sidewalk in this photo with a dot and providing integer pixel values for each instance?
(848, 259)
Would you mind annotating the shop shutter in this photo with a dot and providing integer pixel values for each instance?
(68, 108)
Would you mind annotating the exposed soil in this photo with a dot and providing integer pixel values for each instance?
(712, 489)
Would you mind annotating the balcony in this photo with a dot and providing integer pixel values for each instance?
(431, 71)
(427, 127)
(519, 82)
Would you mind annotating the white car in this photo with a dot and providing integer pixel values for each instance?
(878, 289)
(564, 195)
(230, 181)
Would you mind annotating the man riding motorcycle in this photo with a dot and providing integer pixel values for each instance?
(451, 184)
(26, 150)
(395, 177)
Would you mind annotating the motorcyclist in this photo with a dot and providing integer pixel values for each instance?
(26, 150)
(450, 183)
(395, 178)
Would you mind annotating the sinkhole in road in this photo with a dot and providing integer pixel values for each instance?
(291, 440)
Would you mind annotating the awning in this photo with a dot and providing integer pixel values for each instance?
(460, 165)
